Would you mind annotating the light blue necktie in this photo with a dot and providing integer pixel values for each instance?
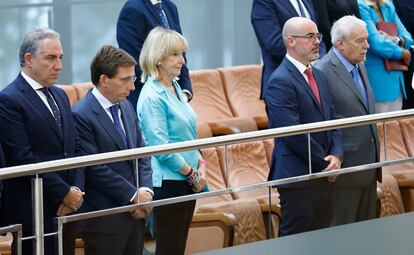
(359, 84)
(301, 10)
(162, 15)
(115, 116)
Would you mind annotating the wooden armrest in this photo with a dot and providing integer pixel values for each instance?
(406, 184)
(225, 221)
(217, 130)
(262, 121)
(274, 209)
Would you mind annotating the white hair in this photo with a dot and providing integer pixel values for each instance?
(343, 27)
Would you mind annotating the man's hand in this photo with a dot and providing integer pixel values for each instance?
(73, 199)
(142, 197)
(63, 210)
(334, 163)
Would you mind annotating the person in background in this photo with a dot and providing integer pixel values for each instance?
(37, 126)
(355, 196)
(405, 11)
(299, 94)
(268, 18)
(107, 122)
(388, 85)
(165, 118)
(136, 19)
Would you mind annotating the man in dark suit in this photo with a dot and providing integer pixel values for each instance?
(107, 122)
(36, 126)
(136, 20)
(355, 194)
(405, 10)
(298, 94)
(268, 18)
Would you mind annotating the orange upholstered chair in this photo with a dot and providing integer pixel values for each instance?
(242, 88)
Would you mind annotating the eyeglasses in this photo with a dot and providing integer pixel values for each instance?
(128, 79)
(311, 36)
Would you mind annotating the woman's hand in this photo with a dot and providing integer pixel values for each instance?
(202, 181)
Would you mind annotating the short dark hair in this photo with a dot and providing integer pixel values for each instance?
(107, 61)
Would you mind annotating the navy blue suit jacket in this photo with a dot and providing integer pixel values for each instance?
(136, 20)
(290, 101)
(29, 134)
(405, 10)
(113, 184)
(268, 18)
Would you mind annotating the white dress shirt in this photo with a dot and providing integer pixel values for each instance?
(296, 6)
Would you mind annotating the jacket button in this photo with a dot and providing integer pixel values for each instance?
(372, 140)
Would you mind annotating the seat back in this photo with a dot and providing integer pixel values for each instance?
(70, 92)
(82, 89)
(242, 87)
(407, 131)
(209, 100)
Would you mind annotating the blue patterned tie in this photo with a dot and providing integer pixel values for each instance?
(55, 110)
(301, 10)
(162, 15)
(115, 117)
(359, 84)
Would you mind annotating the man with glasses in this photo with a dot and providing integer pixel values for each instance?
(268, 18)
(355, 193)
(298, 94)
(106, 122)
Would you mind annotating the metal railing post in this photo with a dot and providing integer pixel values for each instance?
(37, 201)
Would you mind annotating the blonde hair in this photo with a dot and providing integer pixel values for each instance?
(159, 44)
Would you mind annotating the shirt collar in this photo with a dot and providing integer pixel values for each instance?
(103, 101)
(301, 67)
(34, 84)
(348, 65)
(154, 2)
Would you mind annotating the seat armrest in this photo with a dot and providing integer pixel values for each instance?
(262, 121)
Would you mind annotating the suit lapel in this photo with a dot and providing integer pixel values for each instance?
(288, 5)
(345, 76)
(126, 120)
(309, 7)
(299, 77)
(105, 120)
(38, 104)
(367, 85)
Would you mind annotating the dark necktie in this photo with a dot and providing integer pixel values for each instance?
(117, 122)
(162, 15)
(301, 10)
(312, 84)
(55, 110)
(359, 85)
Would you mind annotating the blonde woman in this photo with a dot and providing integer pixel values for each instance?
(166, 117)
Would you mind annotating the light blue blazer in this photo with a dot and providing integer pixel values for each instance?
(166, 119)
(385, 84)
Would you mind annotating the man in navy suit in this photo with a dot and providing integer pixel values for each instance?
(298, 94)
(268, 18)
(107, 122)
(136, 20)
(36, 126)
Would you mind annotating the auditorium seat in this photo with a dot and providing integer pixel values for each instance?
(82, 89)
(70, 91)
(403, 173)
(242, 88)
(391, 202)
(211, 106)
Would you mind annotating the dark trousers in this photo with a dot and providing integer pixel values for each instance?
(173, 221)
(117, 234)
(306, 209)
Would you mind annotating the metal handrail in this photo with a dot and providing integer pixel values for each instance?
(103, 158)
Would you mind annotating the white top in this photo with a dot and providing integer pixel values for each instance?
(301, 67)
(154, 2)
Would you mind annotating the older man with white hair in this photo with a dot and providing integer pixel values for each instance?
(355, 193)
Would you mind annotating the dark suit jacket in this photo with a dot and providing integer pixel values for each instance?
(29, 134)
(405, 10)
(361, 144)
(113, 184)
(268, 18)
(136, 20)
(290, 101)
